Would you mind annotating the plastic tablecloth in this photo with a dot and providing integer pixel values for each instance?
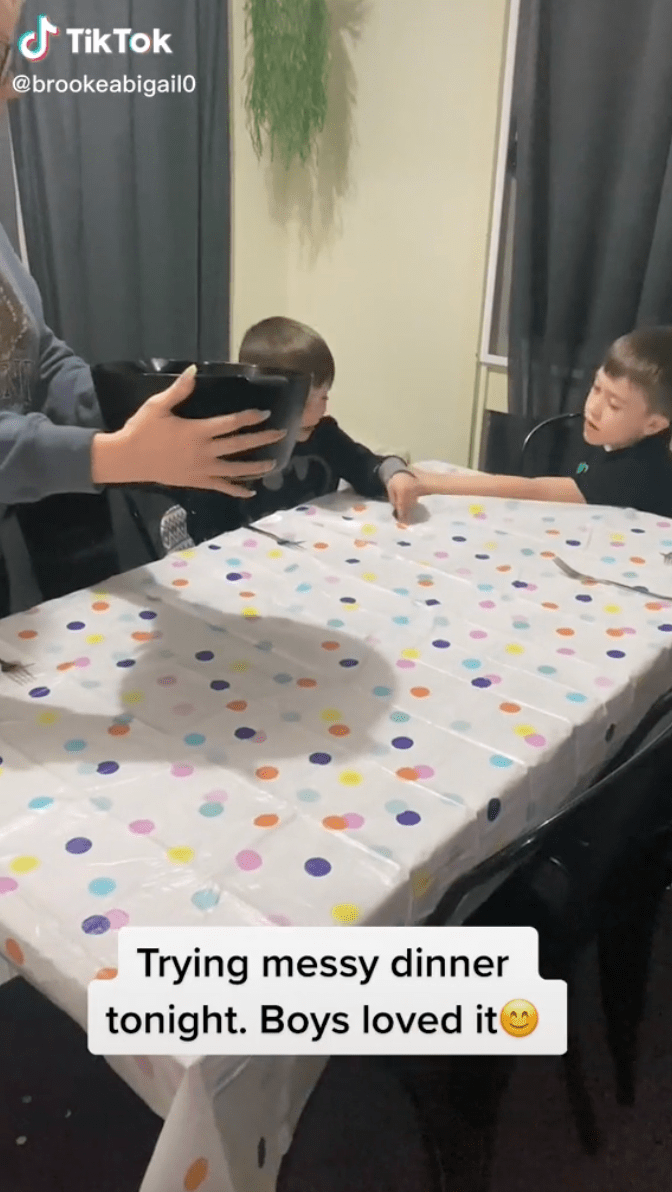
(323, 734)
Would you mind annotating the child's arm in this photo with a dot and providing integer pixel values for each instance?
(482, 484)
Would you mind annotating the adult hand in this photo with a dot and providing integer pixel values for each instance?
(158, 447)
(404, 490)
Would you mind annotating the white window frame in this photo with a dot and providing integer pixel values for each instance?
(495, 251)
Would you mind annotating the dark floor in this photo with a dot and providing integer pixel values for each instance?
(67, 1124)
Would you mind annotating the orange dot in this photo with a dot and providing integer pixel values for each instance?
(548, 554)
(119, 730)
(237, 705)
(331, 645)
(505, 567)
(564, 632)
(339, 730)
(306, 682)
(425, 583)
(637, 559)
(420, 692)
(615, 632)
(196, 1174)
(14, 952)
(506, 707)
(654, 606)
(553, 533)
(100, 606)
(360, 543)
(247, 595)
(139, 636)
(407, 773)
(359, 508)
(63, 666)
(267, 773)
(335, 822)
(267, 821)
(106, 974)
(549, 604)
(27, 634)
(321, 545)
(180, 583)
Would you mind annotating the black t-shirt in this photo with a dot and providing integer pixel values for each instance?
(637, 477)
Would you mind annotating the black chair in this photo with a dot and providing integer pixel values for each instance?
(70, 541)
(596, 871)
(516, 445)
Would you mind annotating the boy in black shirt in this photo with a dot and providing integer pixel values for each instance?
(626, 429)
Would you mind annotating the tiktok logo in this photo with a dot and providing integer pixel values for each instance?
(35, 45)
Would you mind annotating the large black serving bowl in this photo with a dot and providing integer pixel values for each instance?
(220, 388)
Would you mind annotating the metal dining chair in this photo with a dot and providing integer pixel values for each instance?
(514, 445)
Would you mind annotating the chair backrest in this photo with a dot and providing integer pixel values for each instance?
(515, 445)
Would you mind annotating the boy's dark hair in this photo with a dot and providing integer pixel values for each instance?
(285, 344)
(644, 357)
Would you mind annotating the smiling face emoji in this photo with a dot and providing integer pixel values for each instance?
(519, 1017)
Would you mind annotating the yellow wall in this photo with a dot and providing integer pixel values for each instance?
(383, 247)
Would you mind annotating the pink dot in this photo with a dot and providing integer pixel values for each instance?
(663, 525)
(565, 650)
(531, 587)
(180, 563)
(494, 678)
(333, 579)
(603, 681)
(353, 820)
(486, 604)
(424, 771)
(536, 740)
(629, 630)
(144, 1065)
(82, 662)
(279, 920)
(117, 919)
(7, 884)
(246, 575)
(259, 738)
(440, 554)
(248, 859)
(312, 512)
(478, 633)
(405, 664)
(216, 797)
(166, 680)
(463, 571)
(142, 827)
(480, 516)
(250, 543)
(181, 771)
(183, 709)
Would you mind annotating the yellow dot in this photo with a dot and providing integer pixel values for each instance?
(24, 864)
(94, 639)
(474, 509)
(132, 697)
(421, 882)
(240, 667)
(48, 717)
(514, 648)
(491, 545)
(350, 778)
(100, 594)
(524, 730)
(612, 608)
(275, 554)
(180, 856)
(345, 912)
(350, 608)
(410, 653)
(187, 554)
(331, 716)
(618, 537)
(370, 577)
(368, 529)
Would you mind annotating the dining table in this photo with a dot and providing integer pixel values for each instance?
(325, 720)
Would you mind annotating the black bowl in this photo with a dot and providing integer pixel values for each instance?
(220, 388)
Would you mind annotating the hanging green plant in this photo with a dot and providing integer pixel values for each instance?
(286, 74)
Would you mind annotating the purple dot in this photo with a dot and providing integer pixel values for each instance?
(352, 560)
(432, 601)
(665, 628)
(96, 925)
(78, 844)
(348, 600)
(519, 583)
(348, 662)
(7, 884)
(441, 643)
(573, 542)
(584, 597)
(220, 685)
(75, 625)
(126, 662)
(205, 656)
(108, 767)
(317, 867)
(244, 734)
(320, 759)
(234, 575)
(39, 692)
(402, 743)
(494, 808)
(483, 682)
(459, 538)
(481, 556)
(408, 819)
(403, 544)
(212, 546)
(615, 653)
(147, 614)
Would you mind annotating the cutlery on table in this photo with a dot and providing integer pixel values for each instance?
(276, 537)
(18, 671)
(591, 579)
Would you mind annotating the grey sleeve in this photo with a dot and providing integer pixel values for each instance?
(68, 395)
(39, 459)
(390, 466)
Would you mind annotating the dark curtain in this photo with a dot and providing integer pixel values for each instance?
(125, 197)
(591, 147)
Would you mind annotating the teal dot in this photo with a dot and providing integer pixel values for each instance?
(401, 591)
(291, 717)
(210, 810)
(608, 559)
(292, 567)
(101, 886)
(304, 588)
(401, 620)
(379, 750)
(502, 763)
(521, 624)
(547, 670)
(399, 717)
(382, 692)
(527, 550)
(38, 804)
(308, 796)
(233, 562)
(335, 623)
(441, 622)
(194, 739)
(576, 697)
(89, 684)
(396, 806)
(86, 768)
(101, 802)
(485, 587)
(75, 746)
(204, 900)
(383, 852)
(472, 664)
(126, 617)
(460, 726)
(124, 718)
(630, 574)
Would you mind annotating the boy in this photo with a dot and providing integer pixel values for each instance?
(627, 430)
(323, 455)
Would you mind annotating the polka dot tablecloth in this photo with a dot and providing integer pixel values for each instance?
(249, 733)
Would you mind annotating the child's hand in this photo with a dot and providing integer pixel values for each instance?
(404, 491)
